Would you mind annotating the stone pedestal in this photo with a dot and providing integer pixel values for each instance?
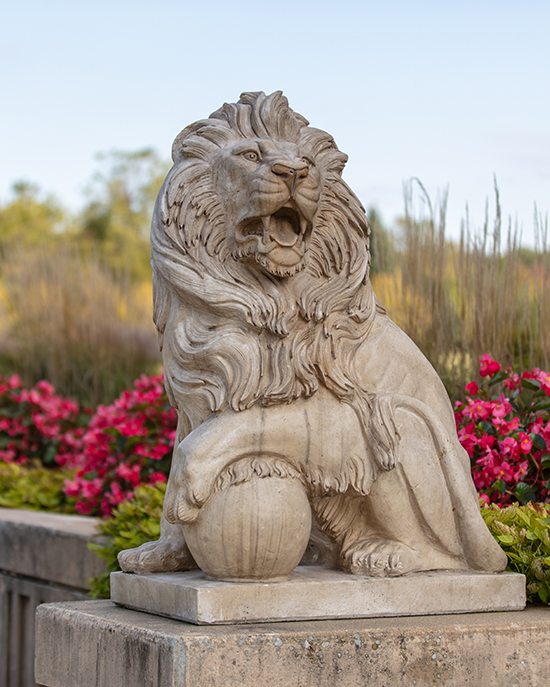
(314, 593)
(97, 644)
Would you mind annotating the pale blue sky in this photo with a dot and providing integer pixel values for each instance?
(448, 92)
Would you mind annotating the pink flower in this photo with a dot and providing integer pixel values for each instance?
(521, 471)
(525, 443)
(513, 381)
(478, 409)
(501, 407)
(488, 366)
(472, 388)
(544, 379)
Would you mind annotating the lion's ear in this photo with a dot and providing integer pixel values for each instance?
(177, 146)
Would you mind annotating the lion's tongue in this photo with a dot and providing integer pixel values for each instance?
(279, 229)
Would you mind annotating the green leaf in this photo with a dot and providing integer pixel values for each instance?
(486, 426)
(506, 539)
(532, 384)
(500, 485)
(524, 493)
(540, 405)
(523, 515)
(538, 441)
(499, 377)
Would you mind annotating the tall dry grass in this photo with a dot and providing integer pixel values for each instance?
(484, 294)
(69, 319)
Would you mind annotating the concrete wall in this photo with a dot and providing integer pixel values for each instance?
(43, 558)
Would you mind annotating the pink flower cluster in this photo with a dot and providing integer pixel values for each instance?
(126, 444)
(507, 435)
(37, 424)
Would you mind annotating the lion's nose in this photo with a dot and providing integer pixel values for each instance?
(297, 169)
(292, 172)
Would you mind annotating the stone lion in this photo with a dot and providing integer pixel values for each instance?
(276, 348)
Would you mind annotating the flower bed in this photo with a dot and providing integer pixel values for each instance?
(507, 434)
(127, 444)
(37, 424)
(90, 461)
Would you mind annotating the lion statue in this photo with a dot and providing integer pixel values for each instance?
(276, 347)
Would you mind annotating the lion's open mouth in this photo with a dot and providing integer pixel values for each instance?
(284, 227)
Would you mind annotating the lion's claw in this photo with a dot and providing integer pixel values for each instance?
(157, 556)
(379, 558)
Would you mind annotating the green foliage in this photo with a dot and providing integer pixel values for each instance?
(34, 487)
(29, 219)
(134, 522)
(117, 218)
(524, 534)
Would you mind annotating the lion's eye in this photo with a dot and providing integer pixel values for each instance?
(308, 160)
(251, 155)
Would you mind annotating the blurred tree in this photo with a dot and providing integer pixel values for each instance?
(30, 219)
(117, 218)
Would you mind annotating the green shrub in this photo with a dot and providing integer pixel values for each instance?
(524, 534)
(134, 522)
(35, 487)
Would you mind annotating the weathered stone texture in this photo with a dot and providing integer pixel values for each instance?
(96, 644)
(317, 593)
(48, 546)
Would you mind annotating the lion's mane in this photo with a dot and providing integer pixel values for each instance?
(234, 336)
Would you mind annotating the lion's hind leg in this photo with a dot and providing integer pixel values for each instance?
(380, 558)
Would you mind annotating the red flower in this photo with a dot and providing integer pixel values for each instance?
(127, 443)
(525, 443)
(488, 366)
(544, 379)
(472, 388)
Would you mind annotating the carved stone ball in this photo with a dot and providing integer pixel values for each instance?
(253, 531)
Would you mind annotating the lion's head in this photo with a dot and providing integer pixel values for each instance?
(270, 190)
(260, 257)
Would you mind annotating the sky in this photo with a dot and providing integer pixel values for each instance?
(454, 94)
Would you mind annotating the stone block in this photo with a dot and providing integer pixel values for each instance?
(48, 546)
(316, 593)
(97, 644)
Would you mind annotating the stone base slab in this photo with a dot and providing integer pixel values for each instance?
(316, 593)
(98, 644)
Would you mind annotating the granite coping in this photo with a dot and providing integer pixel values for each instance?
(50, 547)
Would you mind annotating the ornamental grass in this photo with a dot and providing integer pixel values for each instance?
(457, 301)
(70, 319)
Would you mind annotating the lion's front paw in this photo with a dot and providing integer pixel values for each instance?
(379, 558)
(157, 556)
(181, 506)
